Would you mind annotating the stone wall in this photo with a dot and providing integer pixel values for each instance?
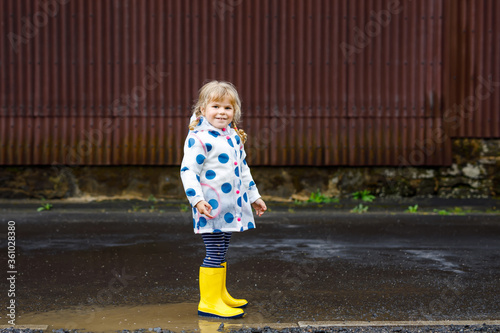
(474, 173)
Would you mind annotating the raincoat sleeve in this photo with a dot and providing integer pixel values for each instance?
(191, 168)
(248, 182)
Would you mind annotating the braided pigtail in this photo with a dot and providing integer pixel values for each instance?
(241, 133)
(196, 120)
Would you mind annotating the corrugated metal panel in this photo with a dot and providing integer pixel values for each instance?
(73, 140)
(472, 74)
(112, 82)
(16, 136)
(152, 139)
(395, 74)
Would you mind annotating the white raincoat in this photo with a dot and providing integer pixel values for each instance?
(214, 169)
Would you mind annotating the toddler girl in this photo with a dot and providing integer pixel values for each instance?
(220, 188)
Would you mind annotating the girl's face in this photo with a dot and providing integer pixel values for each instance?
(219, 113)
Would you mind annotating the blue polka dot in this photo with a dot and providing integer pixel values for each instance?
(237, 171)
(191, 142)
(245, 197)
(198, 177)
(238, 140)
(223, 158)
(200, 159)
(239, 201)
(214, 203)
(230, 142)
(200, 122)
(203, 222)
(228, 217)
(194, 223)
(185, 169)
(245, 161)
(252, 183)
(210, 174)
(209, 146)
(226, 187)
(217, 231)
(214, 133)
(251, 225)
(242, 229)
(190, 192)
(194, 210)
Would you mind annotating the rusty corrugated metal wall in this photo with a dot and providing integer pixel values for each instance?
(472, 74)
(323, 82)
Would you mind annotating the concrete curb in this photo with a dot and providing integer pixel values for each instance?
(277, 326)
(355, 324)
(303, 324)
(325, 324)
(25, 327)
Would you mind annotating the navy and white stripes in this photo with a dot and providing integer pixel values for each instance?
(216, 248)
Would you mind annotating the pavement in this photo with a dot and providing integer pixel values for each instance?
(115, 265)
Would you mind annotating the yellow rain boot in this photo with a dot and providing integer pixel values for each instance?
(211, 303)
(228, 299)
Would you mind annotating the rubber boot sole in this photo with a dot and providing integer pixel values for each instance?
(208, 314)
(241, 307)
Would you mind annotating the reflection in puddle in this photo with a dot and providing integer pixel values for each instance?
(174, 317)
(439, 258)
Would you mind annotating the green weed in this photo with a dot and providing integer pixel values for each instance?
(412, 209)
(360, 209)
(363, 195)
(454, 211)
(152, 199)
(442, 211)
(460, 211)
(318, 197)
(45, 206)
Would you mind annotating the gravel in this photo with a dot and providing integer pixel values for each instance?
(465, 329)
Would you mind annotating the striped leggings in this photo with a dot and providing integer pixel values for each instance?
(216, 246)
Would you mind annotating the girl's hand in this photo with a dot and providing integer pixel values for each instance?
(204, 208)
(260, 207)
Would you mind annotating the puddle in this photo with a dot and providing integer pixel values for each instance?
(438, 258)
(286, 249)
(174, 317)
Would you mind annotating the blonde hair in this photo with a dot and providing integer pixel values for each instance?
(217, 91)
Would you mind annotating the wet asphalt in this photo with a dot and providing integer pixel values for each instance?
(314, 263)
